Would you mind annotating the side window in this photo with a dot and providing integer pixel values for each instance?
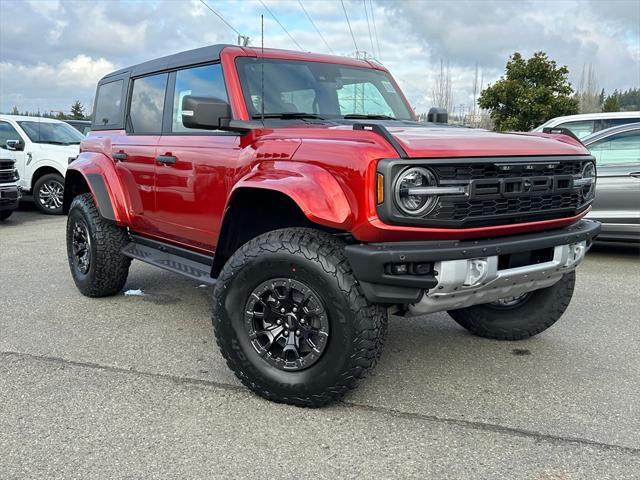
(109, 105)
(7, 132)
(614, 122)
(205, 81)
(580, 129)
(618, 149)
(147, 104)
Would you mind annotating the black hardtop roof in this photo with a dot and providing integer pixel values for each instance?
(176, 60)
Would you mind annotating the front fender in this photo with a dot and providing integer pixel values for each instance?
(318, 194)
(99, 173)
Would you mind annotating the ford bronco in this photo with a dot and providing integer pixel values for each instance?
(302, 187)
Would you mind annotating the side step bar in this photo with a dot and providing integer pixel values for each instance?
(175, 259)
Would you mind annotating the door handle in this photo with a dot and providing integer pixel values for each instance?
(635, 174)
(166, 159)
(121, 156)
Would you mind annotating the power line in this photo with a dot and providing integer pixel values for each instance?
(221, 17)
(314, 26)
(375, 30)
(366, 13)
(349, 23)
(281, 26)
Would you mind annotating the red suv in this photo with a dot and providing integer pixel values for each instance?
(304, 189)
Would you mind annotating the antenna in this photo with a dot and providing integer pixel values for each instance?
(262, 69)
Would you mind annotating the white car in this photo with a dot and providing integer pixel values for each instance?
(588, 123)
(42, 147)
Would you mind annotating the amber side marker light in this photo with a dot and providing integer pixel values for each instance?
(380, 189)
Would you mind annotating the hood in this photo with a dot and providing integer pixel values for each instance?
(466, 142)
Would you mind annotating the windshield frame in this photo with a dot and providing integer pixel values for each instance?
(407, 113)
(57, 125)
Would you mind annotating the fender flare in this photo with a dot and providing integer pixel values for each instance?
(303, 182)
(99, 174)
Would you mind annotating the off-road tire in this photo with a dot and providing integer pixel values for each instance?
(49, 177)
(4, 214)
(357, 327)
(534, 315)
(108, 270)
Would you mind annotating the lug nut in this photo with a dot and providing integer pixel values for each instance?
(286, 333)
(282, 310)
(295, 309)
(298, 332)
(278, 322)
(303, 321)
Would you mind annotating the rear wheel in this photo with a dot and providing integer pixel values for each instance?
(4, 214)
(93, 250)
(291, 320)
(48, 193)
(517, 318)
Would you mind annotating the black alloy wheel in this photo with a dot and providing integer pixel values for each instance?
(287, 324)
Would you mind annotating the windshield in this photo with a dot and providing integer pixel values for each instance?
(326, 90)
(49, 132)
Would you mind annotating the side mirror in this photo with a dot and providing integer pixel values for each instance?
(208, 113)
(17, 145)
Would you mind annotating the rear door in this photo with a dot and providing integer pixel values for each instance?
(618, 189)
(196, 167)
(135, 150)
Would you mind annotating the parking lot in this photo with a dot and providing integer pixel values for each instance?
(134, 386)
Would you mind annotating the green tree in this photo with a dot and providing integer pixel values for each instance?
(531, 92)
(15, 111)
(77, 111)
(611, 104)
(60, 116)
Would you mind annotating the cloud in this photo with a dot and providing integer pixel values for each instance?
(58, 49)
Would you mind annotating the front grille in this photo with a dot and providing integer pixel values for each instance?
(468, 172)
(7, 176)
(497, 191)
(7, 171)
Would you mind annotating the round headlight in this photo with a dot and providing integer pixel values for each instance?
(589, 189)
(408, 196)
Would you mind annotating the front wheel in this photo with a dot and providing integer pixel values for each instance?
(521, 317)
(93, 249)
(48, 193)
(4, 214)
(291, 320)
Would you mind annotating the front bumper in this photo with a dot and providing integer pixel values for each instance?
(455, 274)
(9, 197)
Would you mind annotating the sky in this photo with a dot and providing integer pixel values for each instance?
(52, 52)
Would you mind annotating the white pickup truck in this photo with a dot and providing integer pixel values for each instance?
(9, 188)
(42, 147)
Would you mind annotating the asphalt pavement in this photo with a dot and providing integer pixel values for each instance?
(134, 386)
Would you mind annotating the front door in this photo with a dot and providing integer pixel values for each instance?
(192, 171)
(8, 132)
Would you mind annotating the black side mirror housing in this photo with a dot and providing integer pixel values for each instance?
(17, 145)
(208, 113)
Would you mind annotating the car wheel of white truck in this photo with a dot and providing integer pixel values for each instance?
(517, 318)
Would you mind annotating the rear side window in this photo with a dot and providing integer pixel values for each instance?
(109, 105)
(147, 104)
(614, 122)
(205, 81)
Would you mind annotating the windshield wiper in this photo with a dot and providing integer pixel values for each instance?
(372, 116)
(287, 115)
(52, 142)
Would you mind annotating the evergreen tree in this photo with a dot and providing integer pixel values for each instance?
(77, 111)
(611, 104)
(531, 92)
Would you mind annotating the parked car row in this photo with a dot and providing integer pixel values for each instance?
(10, 191)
